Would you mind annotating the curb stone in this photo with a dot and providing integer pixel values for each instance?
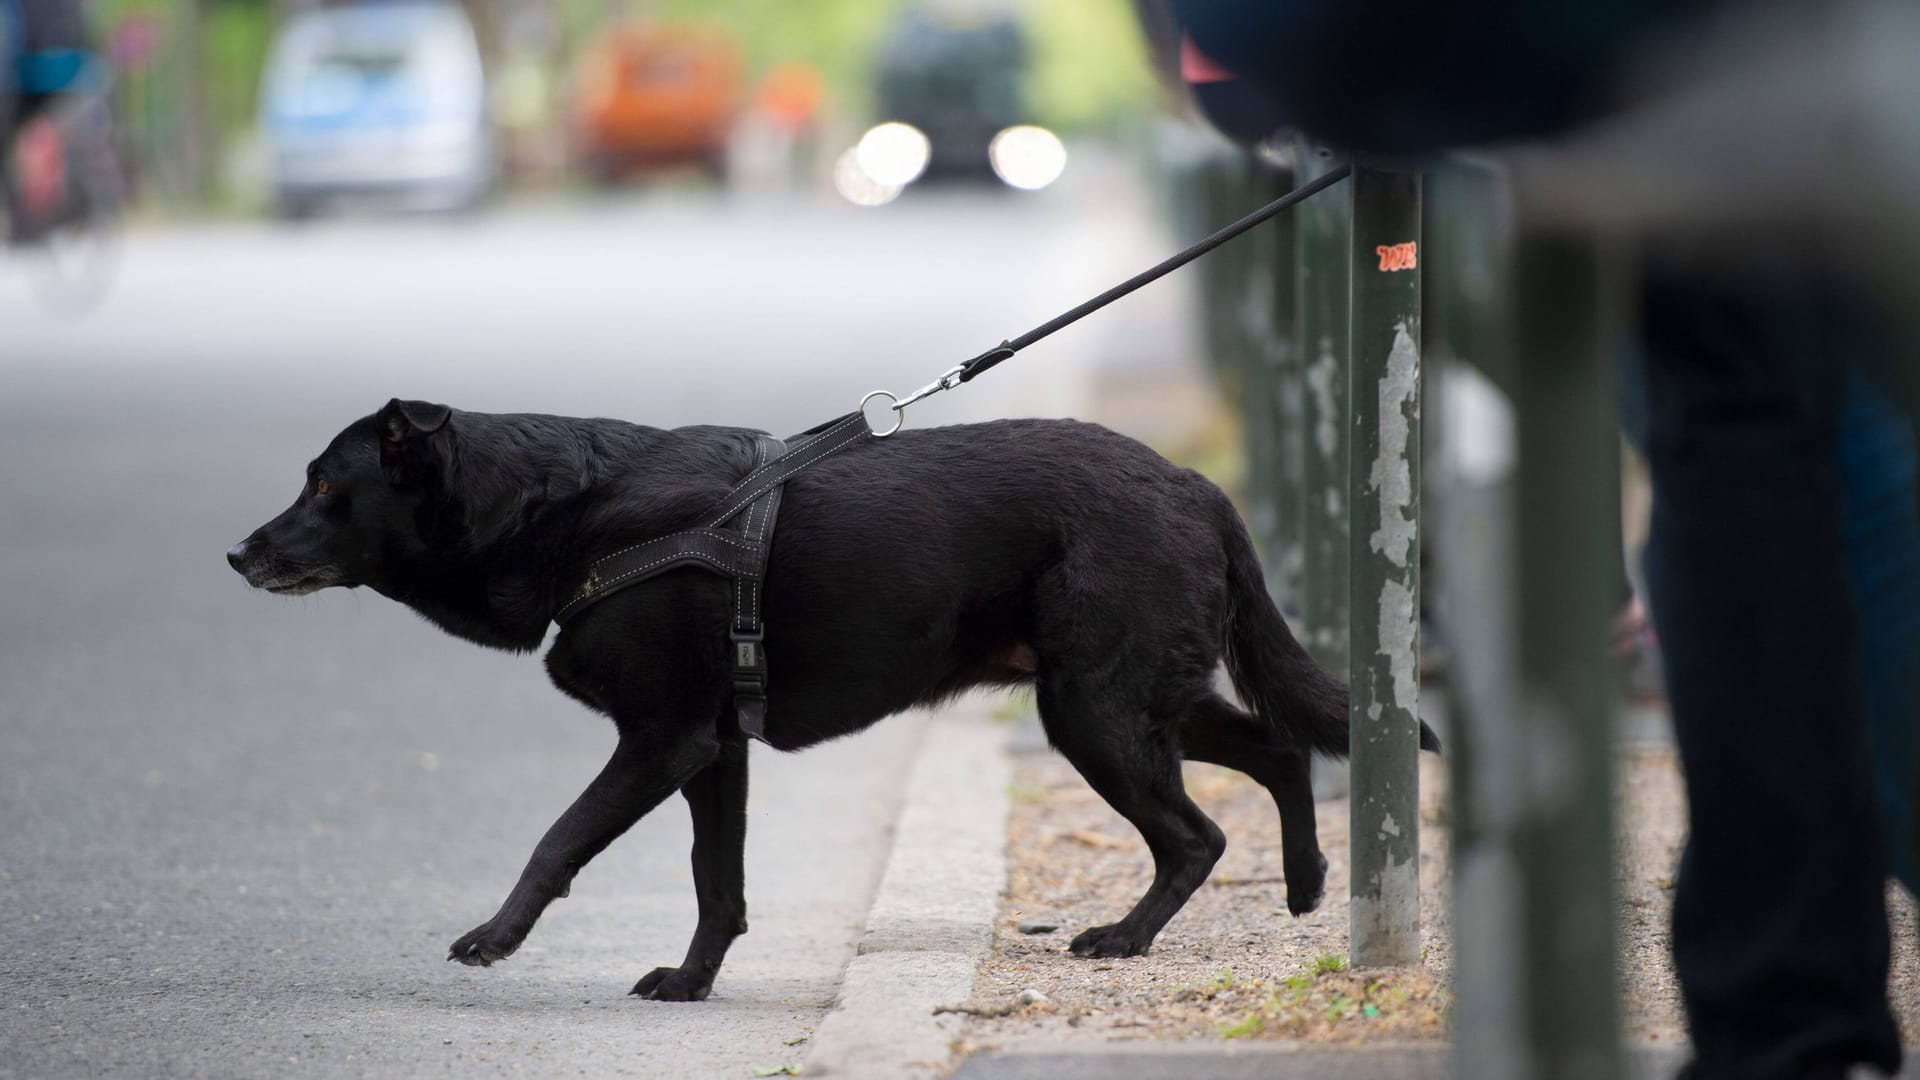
(931, 922)
(1268, 1061)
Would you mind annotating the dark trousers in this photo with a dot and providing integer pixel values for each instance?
(1780, 925)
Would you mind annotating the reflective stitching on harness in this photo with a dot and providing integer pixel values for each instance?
(743, 580)
(751, 531)
(759, 459)
(714, 534)
(756, 524)
(786, 475)
(610, 582)
(789, 466)
(804, 443)
(753, 511)
(758, 531)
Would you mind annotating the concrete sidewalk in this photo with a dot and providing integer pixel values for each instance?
(932, 918)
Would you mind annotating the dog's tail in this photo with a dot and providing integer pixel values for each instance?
(1271, 670)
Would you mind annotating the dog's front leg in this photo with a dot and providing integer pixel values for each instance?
(717, 795)
(646, 768)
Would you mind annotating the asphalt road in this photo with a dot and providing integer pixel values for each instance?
(238, 832)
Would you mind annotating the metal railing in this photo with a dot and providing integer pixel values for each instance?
(1325, 342)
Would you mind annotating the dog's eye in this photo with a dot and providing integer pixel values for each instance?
(321, 487)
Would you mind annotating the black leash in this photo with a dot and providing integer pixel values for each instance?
(736, 544)
(1004, 351)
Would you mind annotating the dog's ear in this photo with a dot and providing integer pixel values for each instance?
(407, 446)
(402, 420)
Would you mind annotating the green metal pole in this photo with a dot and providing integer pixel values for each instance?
(1526, 565)
(1568, 543)
(1474, 599)
(1383, 491)
(1320, 282)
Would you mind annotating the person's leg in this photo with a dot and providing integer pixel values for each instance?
(1883, 556)
(1780, 928)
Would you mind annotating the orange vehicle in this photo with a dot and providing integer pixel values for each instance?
(657, 95)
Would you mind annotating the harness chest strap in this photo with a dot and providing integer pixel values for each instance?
(734, 542)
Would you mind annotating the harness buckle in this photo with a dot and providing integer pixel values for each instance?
(750, 681)
(748, 654)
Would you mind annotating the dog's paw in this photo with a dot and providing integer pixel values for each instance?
(673, 984)
(1109, 941)
(1306, 883)
(482, 945)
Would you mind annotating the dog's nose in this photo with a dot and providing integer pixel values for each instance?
(236, 553)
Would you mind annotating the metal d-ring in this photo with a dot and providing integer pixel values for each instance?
(899, 415)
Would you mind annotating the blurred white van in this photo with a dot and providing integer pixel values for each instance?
(379, 99)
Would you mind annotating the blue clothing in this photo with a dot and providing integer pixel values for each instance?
(44, 48)
(1882, 507)
(1780, 933)
(53, 71)
(1880, 501)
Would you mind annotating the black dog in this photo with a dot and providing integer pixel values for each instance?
(903, 571)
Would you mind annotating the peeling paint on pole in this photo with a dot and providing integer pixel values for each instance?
(1377, 926)
(1400, 643)
(1392, 472)
(1383, 501)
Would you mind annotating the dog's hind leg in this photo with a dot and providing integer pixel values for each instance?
(1216, 732)
(1134, 764)
(647, 766)
(717, 795)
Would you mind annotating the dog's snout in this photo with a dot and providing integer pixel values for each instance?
(237, 554)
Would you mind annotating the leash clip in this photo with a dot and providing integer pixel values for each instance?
(948, 380)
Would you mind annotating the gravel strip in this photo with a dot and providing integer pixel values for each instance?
(1234, 964)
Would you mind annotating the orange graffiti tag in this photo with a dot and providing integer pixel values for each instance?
(1396, 256)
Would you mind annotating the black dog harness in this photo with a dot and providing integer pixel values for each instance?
(734, 541)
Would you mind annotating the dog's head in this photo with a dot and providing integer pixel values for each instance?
(360, 513)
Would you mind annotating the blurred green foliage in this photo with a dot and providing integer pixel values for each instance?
(233, 39)
(1090, 66)
(1089, 72)
(234, 42)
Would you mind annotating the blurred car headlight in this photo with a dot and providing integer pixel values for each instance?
(854, 184)
(893, 154)
(1027, 157)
